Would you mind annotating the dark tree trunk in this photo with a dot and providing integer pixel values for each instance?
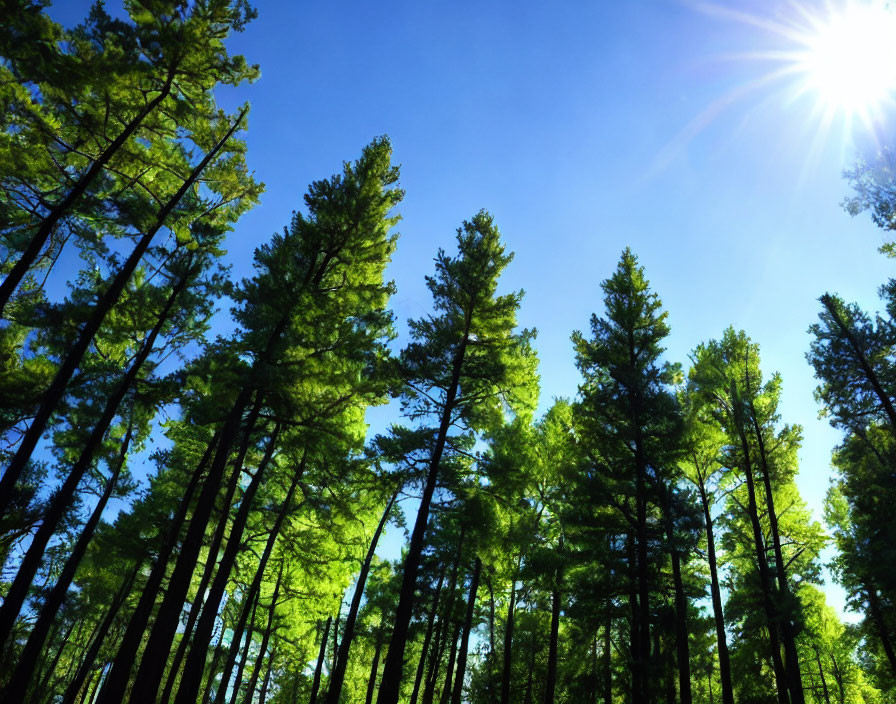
(452, 657)
(508, 641)
(116, 681)
(21, 677)
(824, 683)
(54, 394)
(210, 679)
(255, 587)
(207, 573)
(263, 694)
(319, 668)
(683, 655)
(374, 667)
(551, 680)
(608, 663)
(882, 630)
(192, 677)
(716, 593)
(634, 631)
(265, 639)
(791, 662)
(393, 670)
(465, 639)
(764, 577)
(45, 229)
(338, 675)
(529, 699)
(444, 626)
(74, 687)
(64, 496)
(427, 639)
(839, 677)
(244, 657)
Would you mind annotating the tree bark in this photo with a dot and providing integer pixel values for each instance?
(824, 683)
(54, 394)
(427, 639)
(64, 496)
(465, 639)
(551, 680)
(445, 697)
(716, 594)
(21, 677)
(244, 658)
(683, 655)
(315, 683)
(508, 638)
(374, 667)
(265, 639)
(45, 229)
(338, 675)
(393, 669)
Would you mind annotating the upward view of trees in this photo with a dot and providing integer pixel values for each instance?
(188, 517)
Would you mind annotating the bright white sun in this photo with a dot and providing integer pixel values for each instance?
(849, 59)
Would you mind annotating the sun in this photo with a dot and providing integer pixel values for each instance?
(847, 59)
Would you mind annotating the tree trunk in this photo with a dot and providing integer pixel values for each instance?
(882, 631)
(764, 576)
(445, 697)
(244, 658)
(54, 394)
(634, 631)
(608, 663)
(315, 684)
(838, 676)
(529, 699)
(255, 587)
(263, 695)
(265, 639)
(427, 639)
(338, 675)
(824, 683)
(374, 667)
(508, 638)
(21, 677)
(716, 593)
(117, 679)
(792, 663)
(465, 639)
(210, 680)
(74, 687)
(63, 497)
(192, 677)
(393, 669)
(45, 229)
(551, 680)
(683, 655)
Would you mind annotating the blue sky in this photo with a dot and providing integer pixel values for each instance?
(584, 128)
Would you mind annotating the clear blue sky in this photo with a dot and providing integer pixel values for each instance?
(582, 127)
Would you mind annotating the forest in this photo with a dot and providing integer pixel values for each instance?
(192, 511)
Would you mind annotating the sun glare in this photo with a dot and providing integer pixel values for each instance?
(849, 60)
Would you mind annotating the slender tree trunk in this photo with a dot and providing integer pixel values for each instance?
(210, 680)
(683, 655)
(315, 684)
(427, 639)
(432, 675)
(338, 676)
(551, 680)
(882, 631)
(21, 677)
(393, 670)
(55, 393)
(716, 594)
(374, 667)
(508, 638)
(791, 662)
(207, 573)
(529, 699)
(634, 635)
(45, 229)
(64, 496)
(764, 577)
(41, 685)
(445, 697)
(824, 683)
(74, 687)
(465, 639)
(244, 657)
(255, 587)
(192, 677)
(265, 639)
(116, 681)
(838, 676)
(263, 695)
(608, 663)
